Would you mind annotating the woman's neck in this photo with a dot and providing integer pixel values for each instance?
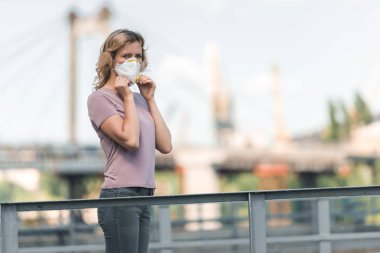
(110, 84)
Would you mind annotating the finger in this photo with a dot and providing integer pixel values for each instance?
(123, 79)
(127, 81)
(145, 80)
(119, 81)
(119, 84)
(140, 78)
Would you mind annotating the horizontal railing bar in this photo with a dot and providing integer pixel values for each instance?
(60, 229)
(129, 201)
(70, 248)
(311, 193)
(200, 243)
(329, 237)
(152, 245)
(213, 242)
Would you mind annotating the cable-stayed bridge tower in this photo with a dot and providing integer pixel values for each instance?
(79, 26)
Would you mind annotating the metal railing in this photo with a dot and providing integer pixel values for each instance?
(258, 239)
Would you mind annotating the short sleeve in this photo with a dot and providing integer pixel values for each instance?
(100, 108)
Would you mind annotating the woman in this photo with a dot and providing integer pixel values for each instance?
(130, 128)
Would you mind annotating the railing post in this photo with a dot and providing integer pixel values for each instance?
(257, 223)
(314, 215)
(8, 229)
(324, 225)
(165, 227)
(72, 232)
(235, 232)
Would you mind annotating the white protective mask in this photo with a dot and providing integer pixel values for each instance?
(129, 69)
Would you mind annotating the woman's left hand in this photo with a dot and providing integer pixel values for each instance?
(147, 87)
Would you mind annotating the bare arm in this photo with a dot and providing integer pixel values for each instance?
(163, 136)
(126, 132)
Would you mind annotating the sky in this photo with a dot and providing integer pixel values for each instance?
(324, 49)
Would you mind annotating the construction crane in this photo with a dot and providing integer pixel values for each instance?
(221, 100)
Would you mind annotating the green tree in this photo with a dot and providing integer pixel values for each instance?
(341, 122)
(363, 113)
(10, 192)
(54, 186)
(330, 180)
(345, 127)
(244, 181)
(333, 128)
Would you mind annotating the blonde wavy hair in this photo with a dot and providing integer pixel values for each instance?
(114, 42)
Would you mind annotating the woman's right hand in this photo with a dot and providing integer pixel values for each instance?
(122, 87)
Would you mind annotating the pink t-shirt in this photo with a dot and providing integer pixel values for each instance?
(124, 168)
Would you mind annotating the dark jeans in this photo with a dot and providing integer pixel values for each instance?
(126, 228)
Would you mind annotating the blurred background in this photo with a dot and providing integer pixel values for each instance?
(258, 95)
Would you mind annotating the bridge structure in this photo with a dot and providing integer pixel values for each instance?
(78, 161)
